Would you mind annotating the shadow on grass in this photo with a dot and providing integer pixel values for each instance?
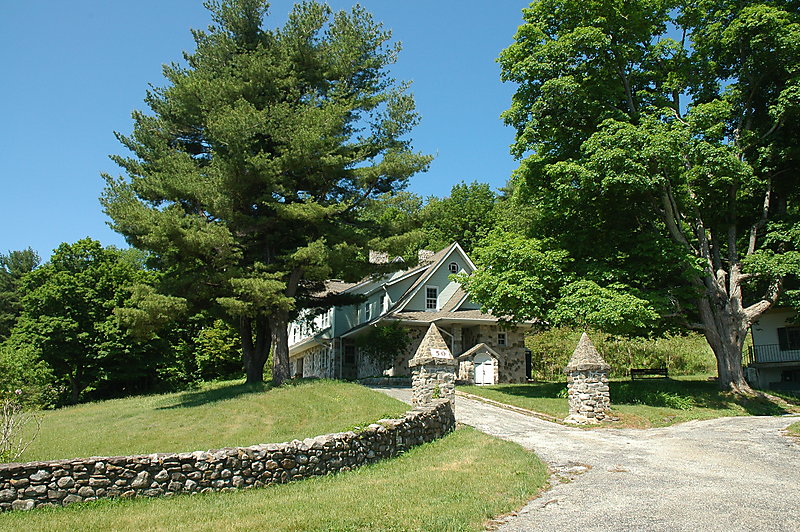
(203, 397)
(665, 393)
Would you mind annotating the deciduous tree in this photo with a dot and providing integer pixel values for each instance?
(662, 137)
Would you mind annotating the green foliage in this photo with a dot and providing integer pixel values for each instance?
(68, 312)
(218, 352)
(384, 343)
(252, 164)
(673, 198)
(146, 311)
(630, 393)
(13, 267)
(587, 305)
(517, 276)
(680, 354)
(466, 216)
(21, 368)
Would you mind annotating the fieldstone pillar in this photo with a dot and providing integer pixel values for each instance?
(433, 370)
(587, 384)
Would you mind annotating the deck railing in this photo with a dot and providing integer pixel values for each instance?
(773, 353)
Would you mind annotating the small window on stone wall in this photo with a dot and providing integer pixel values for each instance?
(501, 338)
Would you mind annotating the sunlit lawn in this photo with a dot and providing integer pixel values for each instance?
(456, 483)
(641, 403)
(216, 415)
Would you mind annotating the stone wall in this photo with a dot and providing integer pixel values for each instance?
(319, 362)
(433, 380)
(587, 384)
(511, 361)
(589, 398)
(61, 482)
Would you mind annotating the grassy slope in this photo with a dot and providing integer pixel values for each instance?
(456, 483)
(708, 402)
(217, 415)
(794, 429)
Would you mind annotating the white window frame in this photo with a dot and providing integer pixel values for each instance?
(429, 299)
(368, 311)
(502, 339)
(451, 269)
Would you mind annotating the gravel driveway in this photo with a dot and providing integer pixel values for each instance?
(739, 473)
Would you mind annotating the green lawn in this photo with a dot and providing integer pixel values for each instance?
(456, 483)
(794, 429)
(640, 403)
(216, 415)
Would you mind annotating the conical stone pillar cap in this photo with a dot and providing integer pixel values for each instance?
(586, 358)
(432, 348)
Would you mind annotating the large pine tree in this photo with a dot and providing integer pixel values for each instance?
(250, 168)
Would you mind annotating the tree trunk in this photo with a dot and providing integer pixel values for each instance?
(725, 331)
(279, 324)
(75, 385)
(255, 353)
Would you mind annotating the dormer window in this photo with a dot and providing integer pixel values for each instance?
(431, 298)
(453, 267)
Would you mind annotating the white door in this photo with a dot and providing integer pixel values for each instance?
(484, 369)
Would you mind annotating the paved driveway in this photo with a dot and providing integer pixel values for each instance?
(717, 475)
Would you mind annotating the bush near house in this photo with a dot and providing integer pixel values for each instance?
(680, 354)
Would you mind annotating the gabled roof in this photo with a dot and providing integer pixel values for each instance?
(480, 347)
(438, 259)
(454, 303)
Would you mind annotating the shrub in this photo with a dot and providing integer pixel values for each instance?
(218, 352)
(21, 368)
(14, 418)
(630, 393)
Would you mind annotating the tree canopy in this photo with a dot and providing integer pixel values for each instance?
(68, 313)
(658, 145)
(13, 266)
(250, 168)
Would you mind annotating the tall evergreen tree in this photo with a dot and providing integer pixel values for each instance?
(251, 166)
(13, 266)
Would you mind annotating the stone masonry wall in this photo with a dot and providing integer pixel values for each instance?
(61, 482)
(433, 381)
(588, 395)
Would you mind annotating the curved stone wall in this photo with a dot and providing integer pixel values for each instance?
(24, 486)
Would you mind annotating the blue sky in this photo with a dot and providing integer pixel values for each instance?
(74, 71)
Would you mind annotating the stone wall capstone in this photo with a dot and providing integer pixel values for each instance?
(24, 486)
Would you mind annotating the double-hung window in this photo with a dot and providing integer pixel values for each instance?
(431, 298)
